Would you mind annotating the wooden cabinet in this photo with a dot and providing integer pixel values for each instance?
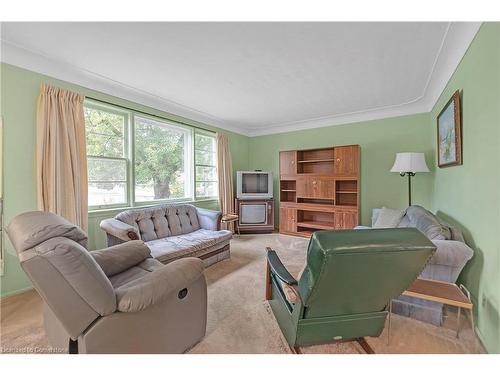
(346, 161)
(288, 163)
(288, 220)
(316, 187)
(345, 219)
(319, 189)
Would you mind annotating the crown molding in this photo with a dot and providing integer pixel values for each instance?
(37, 62)
(458, 40)
(405, 109)
(455, 44)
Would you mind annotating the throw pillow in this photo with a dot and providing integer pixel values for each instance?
(389, 218)
(426, 222)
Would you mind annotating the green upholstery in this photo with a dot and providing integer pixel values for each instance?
(349, 278)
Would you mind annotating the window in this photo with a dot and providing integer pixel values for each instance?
(106, 156)
(162, 160)
(205, 165)
(136, 159)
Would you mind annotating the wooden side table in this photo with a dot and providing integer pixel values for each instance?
(438, 291)
(230, 218)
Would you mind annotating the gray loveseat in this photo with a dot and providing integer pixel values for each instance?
(172, 231)
(448, 261)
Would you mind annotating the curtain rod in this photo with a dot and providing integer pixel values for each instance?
(148, 114)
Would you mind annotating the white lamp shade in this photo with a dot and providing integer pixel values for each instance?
(410, 162)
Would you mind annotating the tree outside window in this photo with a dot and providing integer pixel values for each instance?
(134, 159)
(161, 161)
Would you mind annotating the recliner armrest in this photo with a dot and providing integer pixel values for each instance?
(209, 219)
(158, 285)
(278, 269)
(119, 229)
(119, 258)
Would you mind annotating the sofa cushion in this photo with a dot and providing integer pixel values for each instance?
(162, 220)
(404, 223)
(455, 233)
(388, 218)
(190, 244)
(290, 293)
(427, 223)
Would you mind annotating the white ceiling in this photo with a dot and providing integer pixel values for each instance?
(252, 78)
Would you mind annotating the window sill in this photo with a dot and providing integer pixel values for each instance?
(104, 211)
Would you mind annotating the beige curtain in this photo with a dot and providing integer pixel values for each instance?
(61, 159)
(225, 176)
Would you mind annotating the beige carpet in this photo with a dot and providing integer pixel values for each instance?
(239, 319)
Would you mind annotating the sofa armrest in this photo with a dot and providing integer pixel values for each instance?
(448, 260)
(119, 258)
(209, 219)
(451, 253)
(120, 230)
(159, 285)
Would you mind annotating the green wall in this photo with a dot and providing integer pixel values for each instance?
(19, 92)
(469, 195)
(380, 140)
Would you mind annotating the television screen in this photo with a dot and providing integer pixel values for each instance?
(253, 214)
(254, 183)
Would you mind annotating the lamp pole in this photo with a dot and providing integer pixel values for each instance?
(407, 164)
(410, 175)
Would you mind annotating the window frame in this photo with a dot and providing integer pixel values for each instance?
(126, 141)
(136, 203)
(129, 152)
(212, 135)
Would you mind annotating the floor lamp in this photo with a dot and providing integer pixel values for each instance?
(407, 164)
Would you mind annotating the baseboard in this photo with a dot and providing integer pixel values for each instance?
(14, 292)
(481, 340)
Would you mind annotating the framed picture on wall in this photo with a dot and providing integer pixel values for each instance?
(449, 133)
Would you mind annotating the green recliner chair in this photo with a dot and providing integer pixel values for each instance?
(344, 291)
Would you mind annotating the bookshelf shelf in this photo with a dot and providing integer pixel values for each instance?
(317, 161)
(316, 224)
(319, 189)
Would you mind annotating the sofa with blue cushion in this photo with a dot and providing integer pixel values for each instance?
(451, 256)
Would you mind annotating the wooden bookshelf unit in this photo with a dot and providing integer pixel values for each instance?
(319, 189)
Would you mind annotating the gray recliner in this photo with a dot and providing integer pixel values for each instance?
(114, 300)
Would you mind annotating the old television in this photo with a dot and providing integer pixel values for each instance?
(254, 185)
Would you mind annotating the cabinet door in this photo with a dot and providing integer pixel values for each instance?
(288, 162)
(346, 161)
(288, 222)
(316, 187)
(345, 220)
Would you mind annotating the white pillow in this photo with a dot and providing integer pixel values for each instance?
(389, 218)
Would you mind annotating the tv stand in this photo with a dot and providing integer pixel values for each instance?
(255, 215)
